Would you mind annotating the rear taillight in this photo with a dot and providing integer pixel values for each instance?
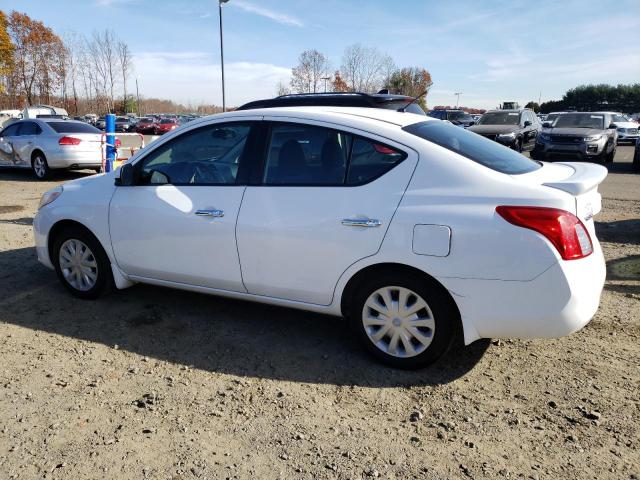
(69, 141)
(563, 229)
(118, 143)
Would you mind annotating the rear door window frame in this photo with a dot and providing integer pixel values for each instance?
(257, 173)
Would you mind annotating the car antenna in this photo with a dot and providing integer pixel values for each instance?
(404, 107)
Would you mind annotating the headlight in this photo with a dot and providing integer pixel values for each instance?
(50, 196)
(507, 136)
(622, 130)
(592, 138)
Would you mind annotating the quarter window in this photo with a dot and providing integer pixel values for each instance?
(209, 155)
(308, 155)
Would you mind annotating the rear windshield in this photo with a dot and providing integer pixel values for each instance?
(73, 127)
(475, 147)
(413, 108)
(165, 121)
(459, 116)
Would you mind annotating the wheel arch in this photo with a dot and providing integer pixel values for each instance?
(60, 226)
(351, 287)
(36, 151)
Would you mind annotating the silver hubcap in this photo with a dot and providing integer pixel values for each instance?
(38, 166)
(78, 264)
(398, 321)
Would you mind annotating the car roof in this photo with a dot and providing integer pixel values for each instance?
(329, 113)
(346, 99)
(509, 110)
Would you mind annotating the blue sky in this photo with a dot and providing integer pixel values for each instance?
(491, 50)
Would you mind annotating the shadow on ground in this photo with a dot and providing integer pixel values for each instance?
(620, 231)
(26, 175)
(209, 333)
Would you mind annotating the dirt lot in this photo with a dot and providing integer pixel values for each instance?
(160, 384)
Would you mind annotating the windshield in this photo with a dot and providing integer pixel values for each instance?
(145, 120)
(500, 118)
(460, 116)
(551, 117)
(73, 127)
(165, 121)
(474, 147)
(620, 118)
(579, 120)
(122, 119)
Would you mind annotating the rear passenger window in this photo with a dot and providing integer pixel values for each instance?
(29, 128)
(309, 155)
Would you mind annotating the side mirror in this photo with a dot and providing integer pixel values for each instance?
(614, 126)
(546, 124)
(527, 123)
(126, 178)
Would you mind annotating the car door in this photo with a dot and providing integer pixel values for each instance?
(322, 201)
(7, 137)
(23, 143)
(177, 222)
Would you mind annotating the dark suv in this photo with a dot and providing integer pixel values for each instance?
(516, 129)
(457, 117)
(338, 99)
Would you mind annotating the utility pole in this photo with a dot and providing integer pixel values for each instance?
(224, 104)
(457, 94)
(137, 98)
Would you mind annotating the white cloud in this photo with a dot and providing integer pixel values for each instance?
(281, 18)
(205, 15)
(194, 77)
(110, 3)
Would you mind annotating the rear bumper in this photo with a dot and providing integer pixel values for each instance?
(74, 159)
(558, 302)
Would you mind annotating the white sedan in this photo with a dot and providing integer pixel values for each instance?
(412, 229)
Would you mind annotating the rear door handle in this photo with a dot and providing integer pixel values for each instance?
(210, 213)
(361, 222)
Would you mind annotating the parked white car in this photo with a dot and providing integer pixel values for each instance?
(412, 228)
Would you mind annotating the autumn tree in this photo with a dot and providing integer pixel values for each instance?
(6, 53)
(411, 81)
(338, 84)
(308, 75)
(365, 69)
(37, 58)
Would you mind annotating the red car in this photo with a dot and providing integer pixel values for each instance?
(165, 125)
(146, 125)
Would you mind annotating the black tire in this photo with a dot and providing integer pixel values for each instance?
(445, 316)
(98, 170)
(104, 280)
(40, 167)
(635, 166)
(610, 156)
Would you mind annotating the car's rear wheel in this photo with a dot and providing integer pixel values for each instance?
(81, 263)
(404, 320)
(40, 166)
(635, 166)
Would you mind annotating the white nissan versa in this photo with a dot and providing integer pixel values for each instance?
(413, 229)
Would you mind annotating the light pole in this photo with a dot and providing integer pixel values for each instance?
(220, 2)
(137, 98)
(325, 83)
(457, 94)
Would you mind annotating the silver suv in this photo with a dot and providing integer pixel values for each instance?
(578, 135)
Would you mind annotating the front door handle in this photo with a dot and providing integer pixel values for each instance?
(210, 213)
(361, 222)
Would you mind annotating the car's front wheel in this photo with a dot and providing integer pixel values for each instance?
(404, 320)
(81, 263)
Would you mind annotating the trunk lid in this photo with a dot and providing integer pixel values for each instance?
(90, 142)
(578, 179)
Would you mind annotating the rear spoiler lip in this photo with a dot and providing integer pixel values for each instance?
(586, 176)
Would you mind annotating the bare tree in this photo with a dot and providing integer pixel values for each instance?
(102, 49)
(282, 89)
(124, 61)
(307, 76)
(365, 69)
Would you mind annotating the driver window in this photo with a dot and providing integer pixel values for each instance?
(206, 156)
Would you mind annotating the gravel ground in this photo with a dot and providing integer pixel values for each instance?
(161, 384)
